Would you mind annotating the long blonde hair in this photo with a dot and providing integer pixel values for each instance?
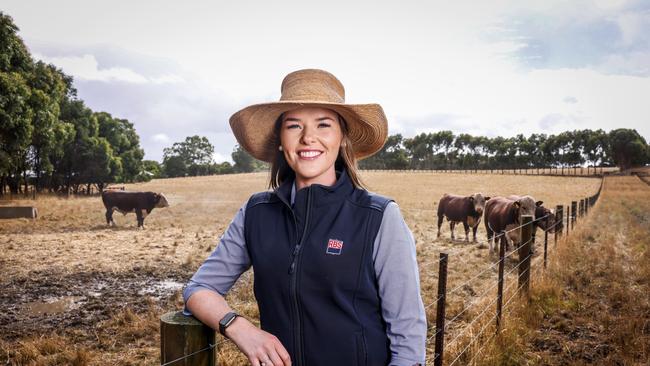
(281, 171)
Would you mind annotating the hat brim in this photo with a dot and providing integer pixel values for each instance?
(253, 126)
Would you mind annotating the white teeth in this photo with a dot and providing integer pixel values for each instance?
(309, 154)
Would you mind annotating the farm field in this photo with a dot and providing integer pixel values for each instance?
(77, 292)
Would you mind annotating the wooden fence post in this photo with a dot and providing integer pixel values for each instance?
(502, 251)
(525, 251)
(182, 336)
(574, 208)
(545, 245)
(558, 219)
(568, 219)
(580, 207)
(440, 310)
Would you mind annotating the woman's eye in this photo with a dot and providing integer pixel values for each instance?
(324, 124)
(292, 126)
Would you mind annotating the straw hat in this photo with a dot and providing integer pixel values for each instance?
(253, 126)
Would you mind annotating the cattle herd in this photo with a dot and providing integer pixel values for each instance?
(501, 215)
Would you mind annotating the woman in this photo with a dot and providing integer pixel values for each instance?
(335, 275)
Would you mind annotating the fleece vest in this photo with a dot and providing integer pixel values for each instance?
(314, 278)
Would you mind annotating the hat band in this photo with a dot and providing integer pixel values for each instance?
(315, 97)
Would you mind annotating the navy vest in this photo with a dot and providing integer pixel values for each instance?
(314, 276)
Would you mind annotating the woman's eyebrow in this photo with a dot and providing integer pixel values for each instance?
(324, 118)
(292, 119)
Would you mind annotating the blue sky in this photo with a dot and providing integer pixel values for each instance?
(492, 67)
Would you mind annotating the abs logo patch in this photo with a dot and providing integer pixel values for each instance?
(334, 247)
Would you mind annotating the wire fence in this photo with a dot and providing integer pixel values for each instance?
(473, 331)
(541, 171)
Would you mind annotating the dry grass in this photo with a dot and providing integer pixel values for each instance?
(592, 305)
(70, 239)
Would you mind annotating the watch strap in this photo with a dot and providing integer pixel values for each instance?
(226, 321)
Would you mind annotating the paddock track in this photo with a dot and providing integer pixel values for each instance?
(100, 290)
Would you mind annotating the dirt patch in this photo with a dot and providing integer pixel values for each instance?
(47, 302)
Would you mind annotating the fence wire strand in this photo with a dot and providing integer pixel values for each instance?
(487, 324)
(209, 347)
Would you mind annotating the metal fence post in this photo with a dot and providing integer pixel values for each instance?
(184, 336)
(440, 309)
(587, 203)
(525, 251)
(502, 251)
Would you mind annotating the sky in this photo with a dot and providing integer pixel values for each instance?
(493, 68)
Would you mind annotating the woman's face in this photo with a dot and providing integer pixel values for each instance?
(311, 138)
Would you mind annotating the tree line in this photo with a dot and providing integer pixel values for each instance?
(48, 137)
(622, 147)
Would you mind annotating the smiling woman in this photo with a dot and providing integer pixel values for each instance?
(334, 264)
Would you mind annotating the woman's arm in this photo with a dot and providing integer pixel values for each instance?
(398, 280)
(204, 297)
(258, 345)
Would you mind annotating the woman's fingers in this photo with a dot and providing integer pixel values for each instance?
(283, 355)
(274, 354)
(261, 348)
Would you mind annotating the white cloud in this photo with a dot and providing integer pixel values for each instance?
(168, 79)
(87, 68)
(220, 158)
(160, 138)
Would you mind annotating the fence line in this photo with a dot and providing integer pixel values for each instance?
(587, 172)
(573, 213)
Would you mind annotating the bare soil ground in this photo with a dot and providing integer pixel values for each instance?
(77, 292)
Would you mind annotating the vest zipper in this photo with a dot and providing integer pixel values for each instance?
(293, 272)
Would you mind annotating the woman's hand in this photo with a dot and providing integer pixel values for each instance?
(261, 348)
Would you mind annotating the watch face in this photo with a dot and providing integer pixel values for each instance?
(226, 321)
(229, 318)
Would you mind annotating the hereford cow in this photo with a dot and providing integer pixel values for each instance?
(504, 215)
(544, 217)
(465, 209)
(139, 202)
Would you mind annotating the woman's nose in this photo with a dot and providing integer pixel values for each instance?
(308, 135)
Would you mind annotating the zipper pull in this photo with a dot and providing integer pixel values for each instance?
(293, 267)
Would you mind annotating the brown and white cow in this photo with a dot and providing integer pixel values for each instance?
(544, 217)
(141, 203)
(465, 209)
(504, 215)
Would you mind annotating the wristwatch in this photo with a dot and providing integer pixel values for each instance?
(226, 321)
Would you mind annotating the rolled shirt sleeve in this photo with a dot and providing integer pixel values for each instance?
(227, 262)
(399, 289)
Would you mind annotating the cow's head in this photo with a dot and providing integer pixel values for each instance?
(525, 206)
(478, 202)
(545, 218)
(161, 201)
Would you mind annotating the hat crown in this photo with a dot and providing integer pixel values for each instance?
(312, 85)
